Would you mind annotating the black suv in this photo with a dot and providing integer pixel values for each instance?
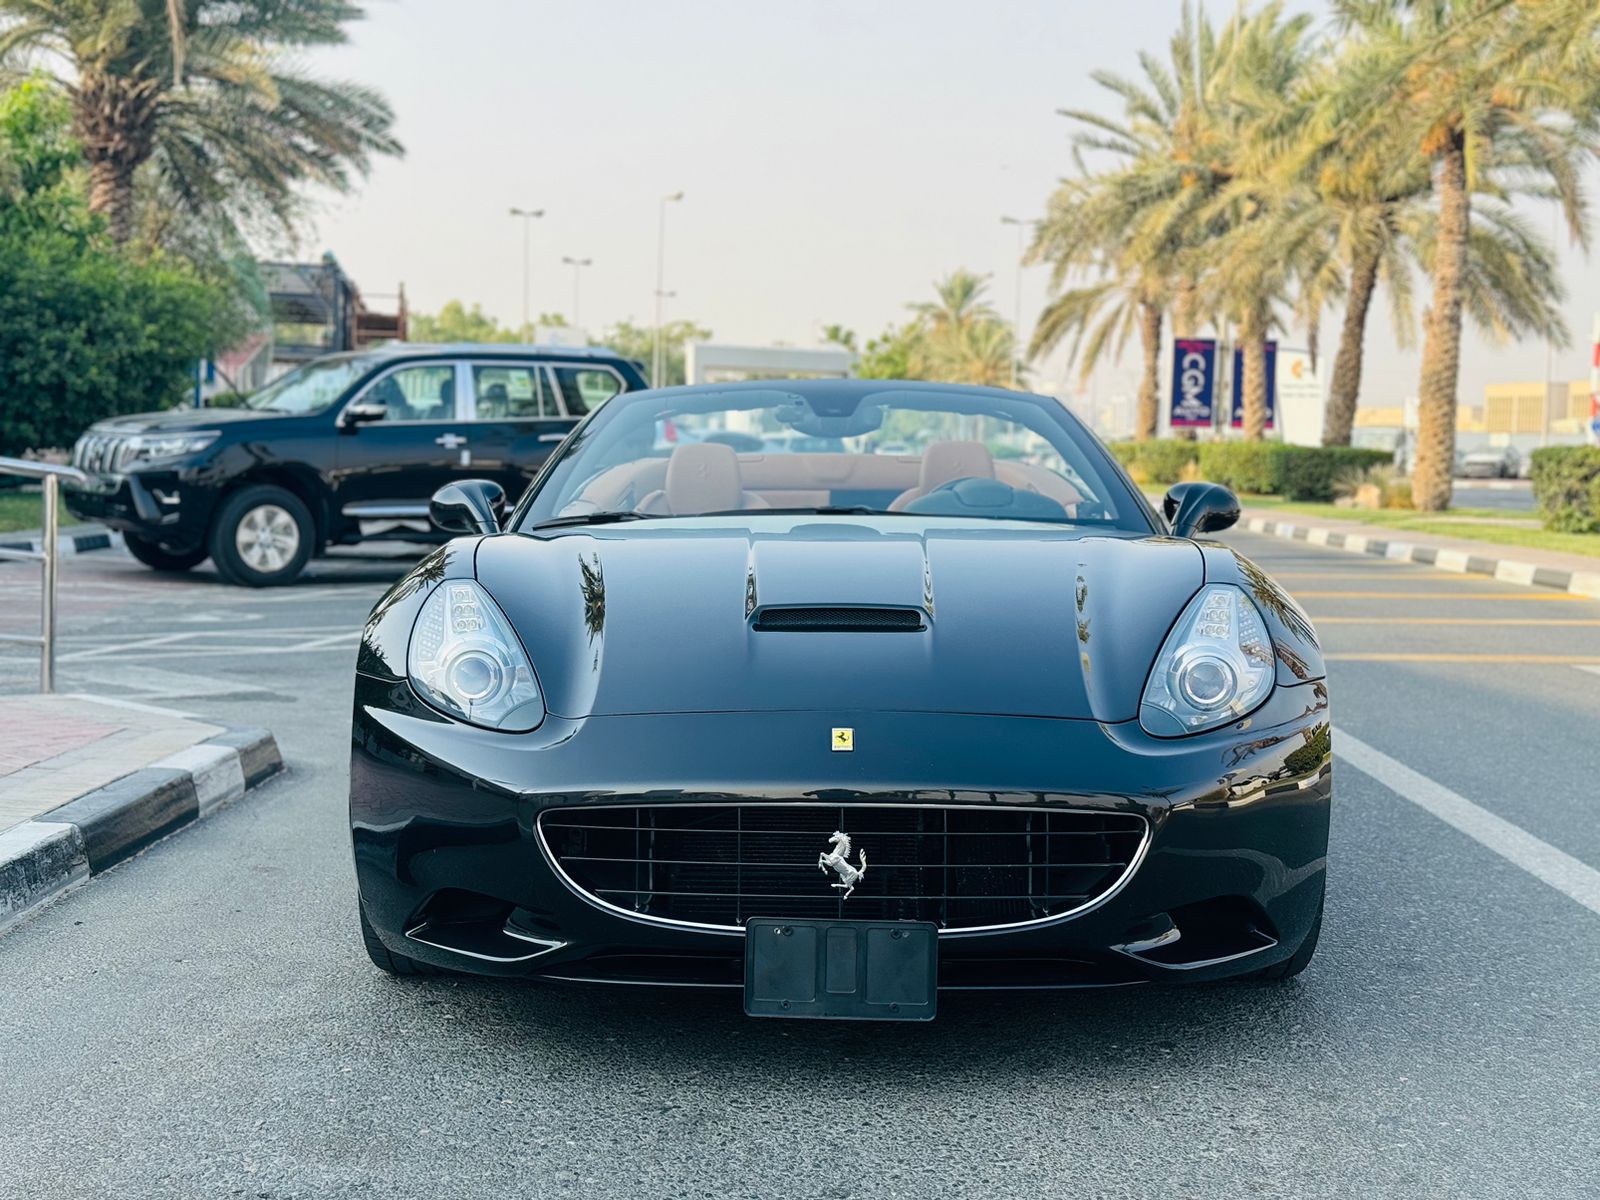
(345, 449)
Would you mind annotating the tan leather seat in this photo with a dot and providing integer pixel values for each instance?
(701, 477)
(944, 462)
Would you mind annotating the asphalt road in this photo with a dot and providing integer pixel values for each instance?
(201, 1020)
(1513, 495)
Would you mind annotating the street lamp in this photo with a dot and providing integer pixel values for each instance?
(526, 215)
(656, 363)
(577, 265)
(1016, 296)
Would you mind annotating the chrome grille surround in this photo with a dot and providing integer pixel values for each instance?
(1120, 839)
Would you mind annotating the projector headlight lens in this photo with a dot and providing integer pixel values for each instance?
(465, 660)
(1216, 666)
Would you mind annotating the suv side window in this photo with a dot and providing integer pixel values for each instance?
(426, 392)
(510, 393)
(585, 389)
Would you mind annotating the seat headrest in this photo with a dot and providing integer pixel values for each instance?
(944, 461)
(703, 477)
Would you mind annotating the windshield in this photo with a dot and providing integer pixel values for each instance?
(834, 447)
(311, 387)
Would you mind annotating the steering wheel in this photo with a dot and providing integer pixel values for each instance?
(976, 497)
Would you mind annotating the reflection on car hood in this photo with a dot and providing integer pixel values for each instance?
(1019, 619)
(179, 419)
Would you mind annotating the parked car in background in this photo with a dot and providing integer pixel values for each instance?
(345, 449)
(1491, 462)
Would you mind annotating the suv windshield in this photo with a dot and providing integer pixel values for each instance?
(311, 387)
(834, 448)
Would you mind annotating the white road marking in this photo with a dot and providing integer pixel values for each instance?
(1585, 667)
(136, 644)
(1574, 879)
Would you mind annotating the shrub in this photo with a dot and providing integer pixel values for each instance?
(1309, 472)
(1381, 486)
(1242, 466)
(1566, 483)
(1160, 461)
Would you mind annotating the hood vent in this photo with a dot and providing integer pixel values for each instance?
(839, 620)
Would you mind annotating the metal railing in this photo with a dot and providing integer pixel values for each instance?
(47, 555)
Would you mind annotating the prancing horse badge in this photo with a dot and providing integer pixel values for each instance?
(843, 739)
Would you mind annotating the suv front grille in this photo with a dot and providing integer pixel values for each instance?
(100, 453)
(960, 867)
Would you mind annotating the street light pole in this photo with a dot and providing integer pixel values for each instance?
(526, 215)
(1016, 296)
(656, 364)
(577, 265)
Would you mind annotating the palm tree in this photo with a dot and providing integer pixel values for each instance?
(1084, 229)
(1483, 90)
(1165, 146)
(1267, 240)
(960, 338)
(202, 92)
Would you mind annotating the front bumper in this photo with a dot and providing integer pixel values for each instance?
(452, 871)
(168, 507)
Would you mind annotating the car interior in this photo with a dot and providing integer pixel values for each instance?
(949, 477)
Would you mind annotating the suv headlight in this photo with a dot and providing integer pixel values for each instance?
(158, 447)
(1216, 666)
(465, 660)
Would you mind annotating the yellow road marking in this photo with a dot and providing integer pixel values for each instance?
(1424, 573)
(1565, 660)
(1517, 596)
(1559, 622)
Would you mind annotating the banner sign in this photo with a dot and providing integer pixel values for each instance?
(1194, 382)
(1272, 386)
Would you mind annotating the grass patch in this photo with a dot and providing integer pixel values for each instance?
(25, 510)
(1474, 523)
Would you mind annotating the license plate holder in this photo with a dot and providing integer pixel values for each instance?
(841, 970)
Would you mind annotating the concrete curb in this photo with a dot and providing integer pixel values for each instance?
(1510, 570)
(80, 539)
(46, 857)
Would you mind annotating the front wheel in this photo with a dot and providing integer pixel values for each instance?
(262, 536)
(153, 556)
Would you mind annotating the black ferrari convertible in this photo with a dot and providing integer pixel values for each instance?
(839, 693)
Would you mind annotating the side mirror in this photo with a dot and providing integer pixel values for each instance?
(361, 414)
(471, 506)
(1192, 508)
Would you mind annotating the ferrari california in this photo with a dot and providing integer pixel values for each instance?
(839, 693)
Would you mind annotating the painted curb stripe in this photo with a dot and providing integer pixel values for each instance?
(43, 858)
(1579, 583)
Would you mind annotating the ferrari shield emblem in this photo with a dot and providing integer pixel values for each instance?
(843, 739)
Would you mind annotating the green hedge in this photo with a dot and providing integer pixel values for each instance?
(1566, 483)
(1257, 468)
(1158, 461)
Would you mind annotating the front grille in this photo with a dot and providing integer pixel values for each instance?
(838, 620)
(100, 453)
(959, 867)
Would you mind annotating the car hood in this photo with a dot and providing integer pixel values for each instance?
(1019, 619)
(179, 419)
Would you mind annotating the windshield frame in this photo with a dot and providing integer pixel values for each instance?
(1135, 514)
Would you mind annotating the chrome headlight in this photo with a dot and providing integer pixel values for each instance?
(1216, 665)
(465, 660)
(159, 447)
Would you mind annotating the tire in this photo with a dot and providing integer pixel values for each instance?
(157, 559)
(262, 536)
(1299, 960)
(387, 960)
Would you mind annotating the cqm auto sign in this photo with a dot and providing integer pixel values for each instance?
(1194, 382)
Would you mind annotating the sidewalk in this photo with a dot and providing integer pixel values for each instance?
(87, 782)
(1575, 573)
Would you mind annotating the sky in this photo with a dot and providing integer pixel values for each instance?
(835, 157)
